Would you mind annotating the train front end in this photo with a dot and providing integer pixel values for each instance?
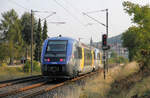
(55, 57)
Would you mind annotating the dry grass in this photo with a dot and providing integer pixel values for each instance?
(141, 89)
(98, 88)
(133, 86)
(7, 73)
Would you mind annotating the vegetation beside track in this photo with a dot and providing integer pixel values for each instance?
(135, 85)
(12, 72)
(99, 88)
(115, 59)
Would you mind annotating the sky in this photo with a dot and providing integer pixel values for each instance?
(70, 12)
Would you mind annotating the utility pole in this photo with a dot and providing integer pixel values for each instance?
(32, 24)
(105, 49)
(107, 36)
(104, 61)
(31, 42)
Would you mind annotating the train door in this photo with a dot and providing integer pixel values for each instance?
(77, 53)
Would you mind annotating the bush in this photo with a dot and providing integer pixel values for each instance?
(122, 60)
(3, 65)
(118, 60)
(36, 66)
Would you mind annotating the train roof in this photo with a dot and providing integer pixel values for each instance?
(71, 39)
(61, 38)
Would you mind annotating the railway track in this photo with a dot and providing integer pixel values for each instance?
(36, 89)
(19, 80)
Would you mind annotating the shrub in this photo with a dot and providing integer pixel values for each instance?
(26, 67)
(3, 65)
(122, 60)
(36, 66)
(119, 59)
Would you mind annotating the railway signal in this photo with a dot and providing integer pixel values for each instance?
(104, 40)
(105, 47)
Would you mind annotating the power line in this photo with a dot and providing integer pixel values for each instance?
(94, 19)
(76, 18)
(91, 12)
(19, 5)
(77, 10)
(48, 16)
(67, 11)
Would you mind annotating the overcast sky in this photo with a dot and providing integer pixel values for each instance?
(76, 24)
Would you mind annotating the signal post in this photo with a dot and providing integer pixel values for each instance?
(105, 47)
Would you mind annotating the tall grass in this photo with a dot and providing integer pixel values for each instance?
(141, 89)
(7, 72)
(99, 88)
(36, 66)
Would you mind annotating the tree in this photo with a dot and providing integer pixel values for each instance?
(132, 41)
(38, 42)
(44, 35)
(26, 30)
(3, 52)
(11, 29)
(113, 55)
(26, 27)
(137, 38)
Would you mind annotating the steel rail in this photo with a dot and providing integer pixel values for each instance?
(58, 85)
(22, 89)
(6, 81)
(21, 80)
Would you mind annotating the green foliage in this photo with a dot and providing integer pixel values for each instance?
(4, 65)
(3, 52)
(36, 66)
(38, 44)
(113, 55)
(44, 35)
(26, 31)
(137, 38)
(132, 39)
(122, 59)
(27, 66)
(117, 59)
(26, 27)
(11, 31)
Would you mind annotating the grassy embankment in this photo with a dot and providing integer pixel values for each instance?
(7, 72)
(133, 86)
(100, 88)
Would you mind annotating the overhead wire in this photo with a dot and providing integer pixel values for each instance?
(67, 11)
(76, 18)
(48, 16)
(27, 9)
(19, 5)
(77, 10)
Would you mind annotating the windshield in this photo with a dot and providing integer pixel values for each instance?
(56, 49)
(56, 46)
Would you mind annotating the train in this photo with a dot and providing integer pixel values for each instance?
(65, 57)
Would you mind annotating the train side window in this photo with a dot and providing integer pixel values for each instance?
(94, 55)
(76, 54)
(87, 57)
(79, 52)
(98, 56)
